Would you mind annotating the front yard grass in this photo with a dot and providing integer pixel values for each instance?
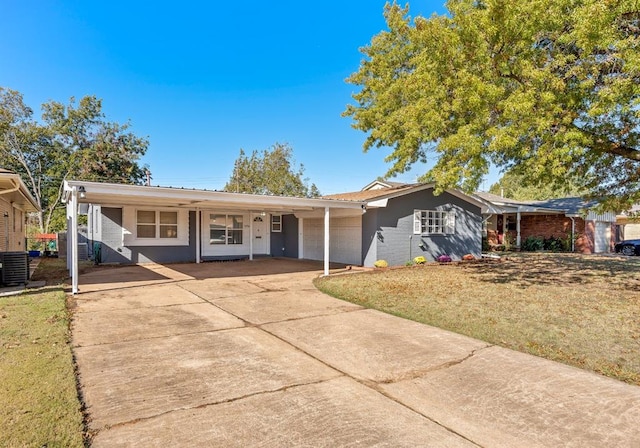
(39, 403)
(579, 310)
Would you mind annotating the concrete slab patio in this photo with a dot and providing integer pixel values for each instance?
(250, 354)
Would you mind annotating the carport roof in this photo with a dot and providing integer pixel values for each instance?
(122, 194)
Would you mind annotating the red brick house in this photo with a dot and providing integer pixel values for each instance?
(508, 223)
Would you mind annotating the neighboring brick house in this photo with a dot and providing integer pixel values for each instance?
(15, 203)
(509, 222)
(628, 224)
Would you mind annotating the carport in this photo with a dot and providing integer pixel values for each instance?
(169, 211)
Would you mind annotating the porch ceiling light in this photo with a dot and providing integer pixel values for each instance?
(82, 191)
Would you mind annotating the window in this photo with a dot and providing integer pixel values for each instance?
(156, 224)
(225, 229)
(276, 223)
(168, 225)
(433, 222)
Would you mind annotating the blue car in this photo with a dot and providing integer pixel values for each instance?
(628, 247)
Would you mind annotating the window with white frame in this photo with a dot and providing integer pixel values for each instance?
(156, 224)
(276, 223)
(225, 229)
(434, 222)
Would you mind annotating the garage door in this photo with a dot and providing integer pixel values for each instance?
(345, 240)
(632, 231)
(602, 236)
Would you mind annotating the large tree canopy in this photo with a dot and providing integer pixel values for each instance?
(515, 186)
(72, 141)
(548, 87)
(270, 172)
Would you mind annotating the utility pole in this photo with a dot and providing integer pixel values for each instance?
(147, 173)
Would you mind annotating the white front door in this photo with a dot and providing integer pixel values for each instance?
(260, 236)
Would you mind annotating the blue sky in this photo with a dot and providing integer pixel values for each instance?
(204, 79)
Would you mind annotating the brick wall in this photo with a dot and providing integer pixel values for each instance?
(558, 226)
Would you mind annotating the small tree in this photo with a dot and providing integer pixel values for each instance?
(271, 172)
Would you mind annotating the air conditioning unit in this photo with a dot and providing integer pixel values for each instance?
(14, 267)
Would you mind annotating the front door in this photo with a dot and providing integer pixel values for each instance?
(260, 235)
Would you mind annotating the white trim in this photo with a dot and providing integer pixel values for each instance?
(129, 227)
(122, 194)
(273, 215)
(474, 200)
(198, 239)
(446, 217)
(300, 238)
(326, 240)
(74, 241)
(380, 203)
(518, 239)
(250, 236)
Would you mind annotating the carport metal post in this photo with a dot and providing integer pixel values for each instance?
(250, 236)
(326, 241)
(518, 229)
(198, 242)
(74, 240)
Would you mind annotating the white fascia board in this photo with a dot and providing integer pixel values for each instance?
(335, 213)
(454, 192)
(200, 197)
(465, 197)
(378, 203)
(533, 209)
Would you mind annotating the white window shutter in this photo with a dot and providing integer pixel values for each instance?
(417, 222)
(451, 222)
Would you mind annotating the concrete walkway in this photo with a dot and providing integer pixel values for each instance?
(251, 354)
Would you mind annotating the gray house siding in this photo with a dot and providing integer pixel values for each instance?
(396, 243)
(111, 247)
(112, 250)
(370, 235)
(285, 243)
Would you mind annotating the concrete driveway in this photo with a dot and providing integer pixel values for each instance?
(251, 354)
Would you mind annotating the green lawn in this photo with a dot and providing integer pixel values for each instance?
(580, 310)
(39, 404)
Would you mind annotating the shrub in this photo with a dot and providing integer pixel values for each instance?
(381, 264)
(444, 259)
(419, 260)
(553, 244)
(468, 257)
(532, 244)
